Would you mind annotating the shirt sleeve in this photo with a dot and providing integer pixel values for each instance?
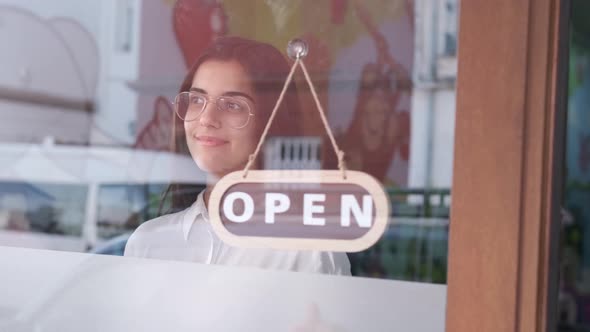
(131, 248)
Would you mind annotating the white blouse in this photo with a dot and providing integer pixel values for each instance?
(188, 236)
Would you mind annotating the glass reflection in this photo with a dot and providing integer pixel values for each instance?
(384, 71)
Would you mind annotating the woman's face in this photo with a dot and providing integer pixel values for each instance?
(217, 147)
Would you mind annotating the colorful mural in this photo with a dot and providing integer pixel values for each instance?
(360, 60)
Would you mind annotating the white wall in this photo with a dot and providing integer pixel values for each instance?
(432, 138)
(128, 78)
(115, 116)
(87, 13)
(133, 78)
(433, 99)
(39, 58)
(444, 136)
(161, 65)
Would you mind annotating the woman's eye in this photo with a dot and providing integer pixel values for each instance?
(197, 100)
(235, 107)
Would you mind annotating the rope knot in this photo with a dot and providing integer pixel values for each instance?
(248, 165)
(341, 163)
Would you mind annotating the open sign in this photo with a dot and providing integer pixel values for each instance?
(317, 210)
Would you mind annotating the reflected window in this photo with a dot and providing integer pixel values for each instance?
(42, 208)
(123, 207)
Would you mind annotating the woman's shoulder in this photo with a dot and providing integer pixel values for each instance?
(160, 222)
(154, 231)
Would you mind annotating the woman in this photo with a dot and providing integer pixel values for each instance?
(223, 105)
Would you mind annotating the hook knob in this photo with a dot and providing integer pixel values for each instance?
(297, 49)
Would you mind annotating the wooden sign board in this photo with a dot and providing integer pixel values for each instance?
(299, 209)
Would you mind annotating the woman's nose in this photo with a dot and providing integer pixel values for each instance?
(210, 116)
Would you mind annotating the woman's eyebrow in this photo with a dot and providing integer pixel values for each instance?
(238, 94)
(228, 93)
(198, 90)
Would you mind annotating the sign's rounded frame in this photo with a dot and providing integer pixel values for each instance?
(364, 180)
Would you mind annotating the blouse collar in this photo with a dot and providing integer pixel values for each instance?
(192, 213)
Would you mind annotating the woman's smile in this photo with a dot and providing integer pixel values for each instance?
(210, 141)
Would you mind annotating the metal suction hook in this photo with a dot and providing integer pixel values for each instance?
(297, 49)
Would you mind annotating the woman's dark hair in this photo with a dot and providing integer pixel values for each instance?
(268, 70)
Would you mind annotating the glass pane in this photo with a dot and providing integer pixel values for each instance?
(574, 304)
(98, 155)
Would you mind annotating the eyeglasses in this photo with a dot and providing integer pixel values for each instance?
(235, 111)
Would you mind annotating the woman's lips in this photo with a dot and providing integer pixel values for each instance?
(210, 141)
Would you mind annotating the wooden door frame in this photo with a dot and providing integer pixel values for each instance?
(508, 165)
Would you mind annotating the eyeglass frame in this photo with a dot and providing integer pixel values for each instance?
(209, 98)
